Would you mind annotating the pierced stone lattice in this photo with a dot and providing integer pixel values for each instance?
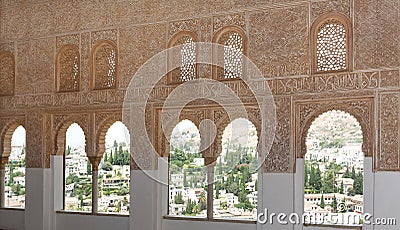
(7, 75)
(187, 70)
(105, 61)
(331, 46)
(68, 74)
(188, 60)
(232, 54)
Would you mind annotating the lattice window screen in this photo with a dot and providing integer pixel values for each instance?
(331, 46)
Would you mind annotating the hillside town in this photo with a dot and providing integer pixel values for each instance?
(15, 178)
(235, 174)
(114, 178)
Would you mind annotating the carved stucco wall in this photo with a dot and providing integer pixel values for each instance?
(279, 41)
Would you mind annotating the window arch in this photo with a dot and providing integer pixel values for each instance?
(331, 35)
(114, 170)
(15, 168)
(68, 69)
(234, 40)
(7, 74)
(77, 171)
(104, 65)
(236, 172)
(186, 57)
(187, 193)
(334, 167)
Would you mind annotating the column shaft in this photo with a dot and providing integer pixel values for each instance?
(95, 191)
(2, 188)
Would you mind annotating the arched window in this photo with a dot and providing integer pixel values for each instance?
(114, 171)
(77, 171)
(68, 69)
(186, 58)
(15, 171)
(332, 43)
(334, 169)
(104, 65)
(233, 39)
(187, 193)
(235, 174)
(7, 74)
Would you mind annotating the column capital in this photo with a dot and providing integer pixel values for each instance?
(3, 162)
(210, 160)
(95, 161)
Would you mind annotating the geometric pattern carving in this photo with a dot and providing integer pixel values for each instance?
(232, 55)
(186, 58)
(7, 74)
(104, 65)
(331, 46)
(331, 35)
(389, 132)
(103, 121)
(280, 158)
(233, 39)
(60, 125)
(68, 69)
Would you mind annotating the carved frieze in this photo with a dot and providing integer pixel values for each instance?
(389, 115)
(229, 20)
(280, 157)
(7, 73)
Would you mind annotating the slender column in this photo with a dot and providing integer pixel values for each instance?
(95, 161)
(3, 162)
(210, 163)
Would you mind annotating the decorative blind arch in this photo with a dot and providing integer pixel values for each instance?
(104, 65)
(7, 74)
(187, 58)
(331, 34)
(68, 69)
(234, 40)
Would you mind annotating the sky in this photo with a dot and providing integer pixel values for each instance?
(19, 137)
(75, 136)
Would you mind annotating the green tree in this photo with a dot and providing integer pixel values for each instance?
(107, 166)
(328, 184)
(341, 190)
(88, 168)
(11, 181)
(347, 174)
(353, 173)
(178, 199)
(185, 182)
(71, 178)
(68, 151)
(105, 157)
(111, 158)
(358, 184)
(343, 204)
(322, 204)
(246, 177)
(334, 204)
(190, 206)
(202, 202)
(219, 168)
(350, 192)
(306, 174)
